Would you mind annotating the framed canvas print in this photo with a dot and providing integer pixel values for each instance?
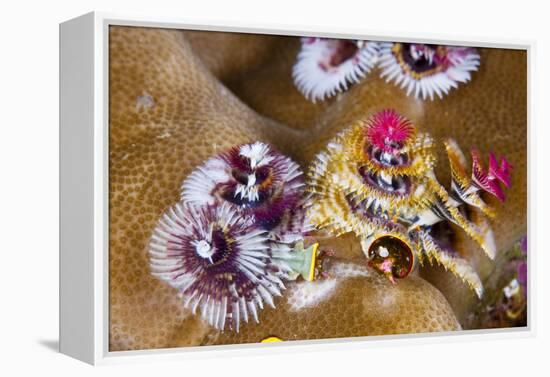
(222, 185)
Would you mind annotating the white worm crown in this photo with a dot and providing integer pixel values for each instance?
(315, 75)
(257, 153)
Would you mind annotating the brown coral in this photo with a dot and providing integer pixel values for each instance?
(355, 301)
(490, 112)
(168, 113)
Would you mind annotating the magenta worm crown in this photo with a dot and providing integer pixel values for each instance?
(488, 180)
(388, 131)
(252, 178)
(219, 261)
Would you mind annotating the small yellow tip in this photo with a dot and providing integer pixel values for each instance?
(271, 339)
(311, 275)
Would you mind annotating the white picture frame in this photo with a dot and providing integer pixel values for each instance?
(84, 316)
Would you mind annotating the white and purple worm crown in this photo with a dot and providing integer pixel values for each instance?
(425, 70)
(326, 66)
(219, 261)
(257, 180)
(236, 236)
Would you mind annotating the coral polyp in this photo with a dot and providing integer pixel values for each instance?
(376, 179)
(327, 66)
(425, 70)
(220, 262)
